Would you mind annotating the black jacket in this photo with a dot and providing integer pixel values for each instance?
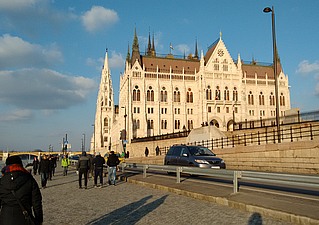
(113, 160)
(44, 166)
(27, 190)
(98, 162)
(83, 163)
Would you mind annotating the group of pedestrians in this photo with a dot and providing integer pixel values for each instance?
(96, 165)
(47, 165)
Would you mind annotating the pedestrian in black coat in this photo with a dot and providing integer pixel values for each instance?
(44, 170)
(83, 168)
(35, 165)
(98, 163)
(26, 189)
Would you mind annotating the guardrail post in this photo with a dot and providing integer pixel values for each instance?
(311, 137)
(237, 175)
(178, 174)
(144, 170)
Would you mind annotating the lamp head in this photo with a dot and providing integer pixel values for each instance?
(267, 10)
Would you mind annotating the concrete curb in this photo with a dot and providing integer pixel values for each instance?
(289, 217)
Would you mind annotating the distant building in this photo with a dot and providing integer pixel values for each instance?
(165, 94)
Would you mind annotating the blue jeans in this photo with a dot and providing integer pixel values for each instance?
(111, 174)
(44, 178)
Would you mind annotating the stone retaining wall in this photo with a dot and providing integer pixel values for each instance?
(300, 157)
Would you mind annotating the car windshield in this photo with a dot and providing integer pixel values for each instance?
(200, 151)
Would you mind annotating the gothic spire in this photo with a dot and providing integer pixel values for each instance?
(196, 51)
(149, 47)
(153, 46)
(135, 50)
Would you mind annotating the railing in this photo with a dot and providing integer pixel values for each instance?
(288, 180)
(297, 118)
(268, 136)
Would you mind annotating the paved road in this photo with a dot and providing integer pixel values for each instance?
(127, 203)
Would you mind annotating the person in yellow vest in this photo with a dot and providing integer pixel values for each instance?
(65, 163)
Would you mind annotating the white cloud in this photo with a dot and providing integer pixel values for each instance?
(41, 89)
(17, 115)
(99, 17)
(116, 60)
(15, 5)
(183, 48)
(306, 67)
(17, 53)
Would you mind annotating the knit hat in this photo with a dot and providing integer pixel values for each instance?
(13, 160)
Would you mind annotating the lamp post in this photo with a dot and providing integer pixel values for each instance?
(125, 115)
(93, 138)
(83, 143)
(267, 10)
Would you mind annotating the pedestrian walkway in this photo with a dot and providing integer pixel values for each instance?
(286, 207)
(128, 203)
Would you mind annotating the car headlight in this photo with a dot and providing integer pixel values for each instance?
(201, 161)
(222, 161)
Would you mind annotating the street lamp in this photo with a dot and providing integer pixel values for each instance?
(93, 138)
(125, 115)
(267, 10)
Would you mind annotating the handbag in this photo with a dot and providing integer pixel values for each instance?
(29, 218)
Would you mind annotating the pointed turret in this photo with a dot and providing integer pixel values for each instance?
(149, 46)
(239, 62)
(196, 51)
(106, 60)
(135, 50)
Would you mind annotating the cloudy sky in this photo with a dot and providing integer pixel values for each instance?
(51, 54)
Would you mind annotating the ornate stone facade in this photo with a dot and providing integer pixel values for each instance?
(166, 94)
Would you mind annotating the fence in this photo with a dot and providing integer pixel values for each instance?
(288, 180)
(292, 119)
(306, 131)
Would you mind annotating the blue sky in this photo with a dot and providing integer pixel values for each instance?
(51, 54)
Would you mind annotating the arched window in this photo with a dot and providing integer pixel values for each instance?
(226, 94)
(235, 94)
(190, 124)
(150, 94)
(272, 99)
(106, 123)
(217, 93)
(250, 98)
(177, 95)
(208, 93)
(282, 99)
(136, 94)
(189, 96)
(150, 124)
(136, 124)
(164, 124)
(261, 99)
(163, 95)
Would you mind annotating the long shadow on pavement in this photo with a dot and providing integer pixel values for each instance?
(129, 214)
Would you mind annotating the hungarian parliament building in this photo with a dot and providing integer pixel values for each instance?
(162, 94)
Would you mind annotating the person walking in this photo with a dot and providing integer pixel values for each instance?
(83, 168)
(112, 162)
(98, 163)
(65, 163)
(19, 189)
(146, 152)
(35, 165)
(44, 170)
(157, 150)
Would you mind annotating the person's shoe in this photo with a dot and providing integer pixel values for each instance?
(86, 187)
(101, 186)
(109, 182)
(95, 186)
(80, 187)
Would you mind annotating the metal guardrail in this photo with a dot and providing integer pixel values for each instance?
(273, 178)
